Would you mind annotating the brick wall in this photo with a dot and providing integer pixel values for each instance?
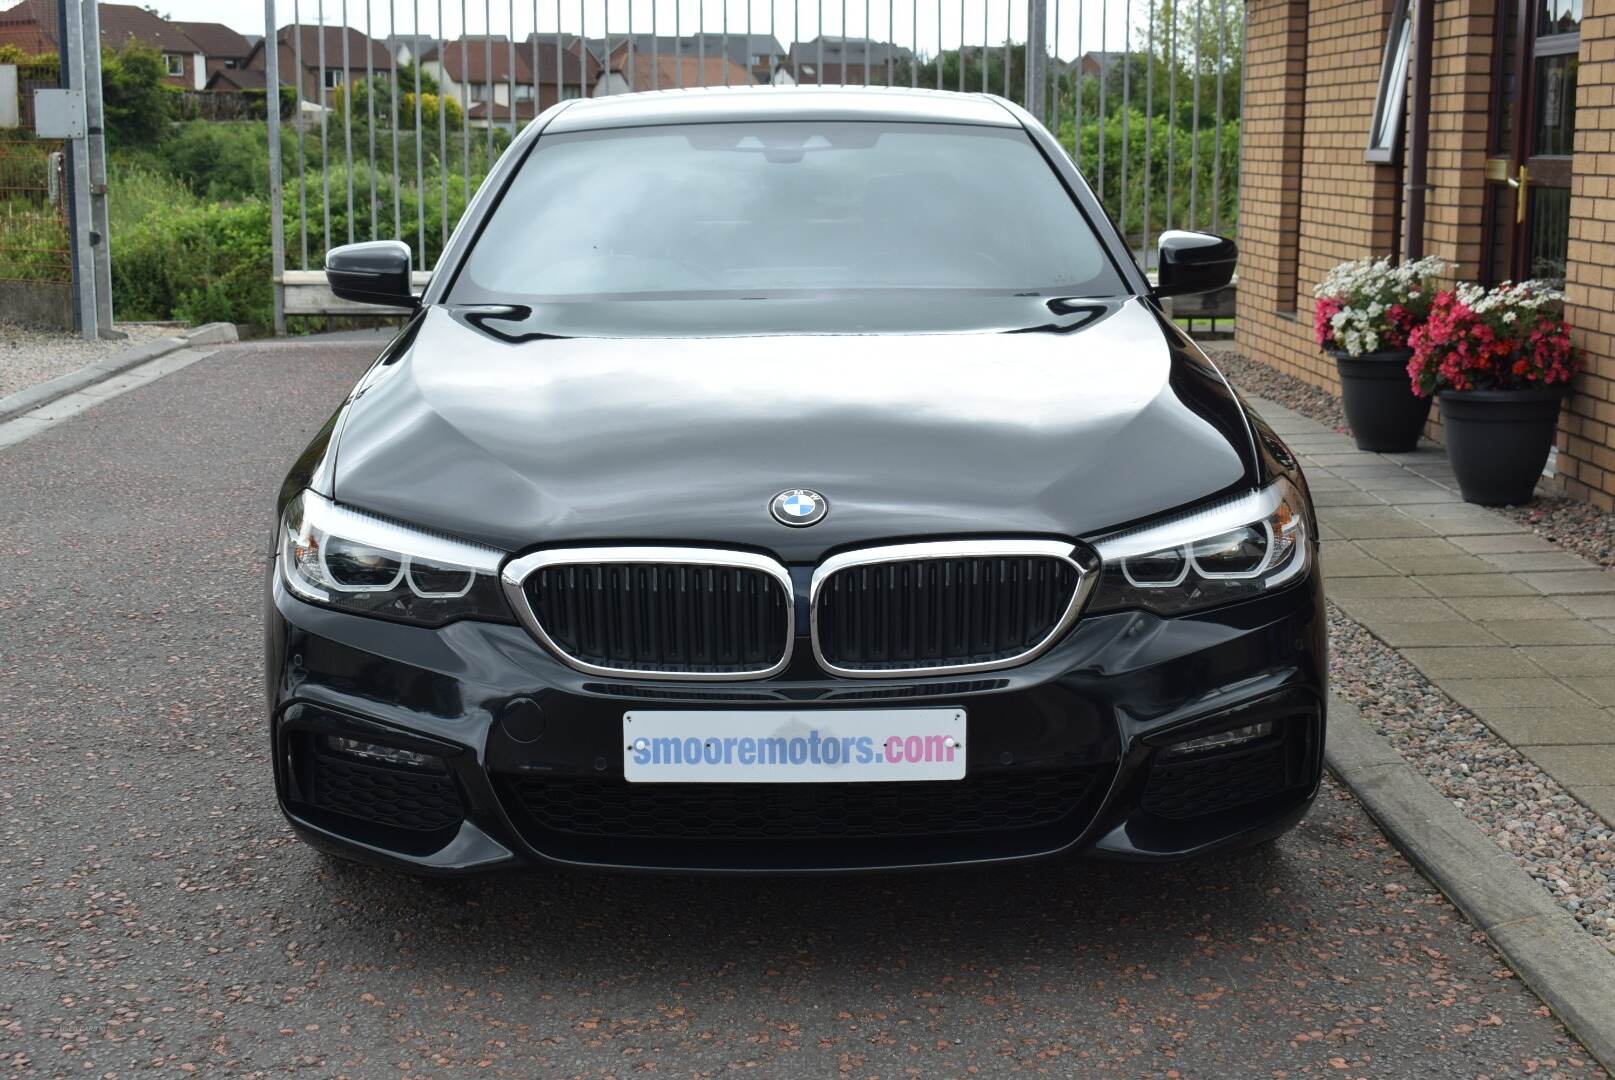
(1587, 435)
(1351, 207)
(1312, 69)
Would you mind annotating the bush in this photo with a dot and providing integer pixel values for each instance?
(31, 65)
(220, 161)
(141, 189)
(309, 193)
(1165, 144)
(136, 99)
(199, 263)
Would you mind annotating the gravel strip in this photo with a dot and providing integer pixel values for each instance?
(29, 357)
(1255, 378)
(1562, 844)
(1572, 524)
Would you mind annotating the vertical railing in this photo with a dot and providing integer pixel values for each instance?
(1137, 91)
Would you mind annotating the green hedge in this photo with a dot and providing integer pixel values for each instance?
(1166, 145)
(202, 263)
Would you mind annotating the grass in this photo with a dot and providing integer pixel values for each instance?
(33, 242)
(138, 193)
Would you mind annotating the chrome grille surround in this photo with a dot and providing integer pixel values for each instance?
(1085, 565)
(516, 572)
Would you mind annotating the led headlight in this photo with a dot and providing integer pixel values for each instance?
(347, 559)
(1231, 551)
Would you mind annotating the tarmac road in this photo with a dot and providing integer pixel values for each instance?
(157, 917)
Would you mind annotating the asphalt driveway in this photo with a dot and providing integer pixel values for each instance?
(156, 916)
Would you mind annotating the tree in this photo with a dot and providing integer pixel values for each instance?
(1204, 36)
(138, 104)
(367, 97)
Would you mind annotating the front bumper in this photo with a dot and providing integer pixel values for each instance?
(525, 763)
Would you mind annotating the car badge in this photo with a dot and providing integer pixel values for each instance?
(799, 507)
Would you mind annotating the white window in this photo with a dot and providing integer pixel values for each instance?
(570, 92)
(524, 92)
(333, 78)
(175, 63)
(1385, 131)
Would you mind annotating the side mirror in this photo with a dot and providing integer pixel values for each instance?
(377, 272)
(1193, 262)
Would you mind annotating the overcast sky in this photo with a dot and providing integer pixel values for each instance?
(247, 16)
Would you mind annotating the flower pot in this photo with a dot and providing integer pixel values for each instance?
(1498, 440)
(1382, 410)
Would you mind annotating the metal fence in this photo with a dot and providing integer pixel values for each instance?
(396, 109)
(35, 261)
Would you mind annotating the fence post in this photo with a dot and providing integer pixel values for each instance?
(1037, 58)
(78, 177)
(95, 118)
(272, 110)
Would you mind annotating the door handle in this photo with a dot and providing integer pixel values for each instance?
(1519, 198)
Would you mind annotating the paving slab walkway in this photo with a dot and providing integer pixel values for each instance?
(1515, 629)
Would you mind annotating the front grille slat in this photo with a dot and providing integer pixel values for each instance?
(950, 610)
(663, 617)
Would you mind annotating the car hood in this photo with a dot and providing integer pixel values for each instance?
(1090, 421)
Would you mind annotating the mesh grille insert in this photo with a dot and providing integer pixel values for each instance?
(617, 809)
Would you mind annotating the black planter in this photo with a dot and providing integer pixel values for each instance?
(1382, 410)
(1499, 440)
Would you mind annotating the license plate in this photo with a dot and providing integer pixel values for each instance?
(781, 746)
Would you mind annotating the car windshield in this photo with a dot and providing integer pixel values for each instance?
(785, 210)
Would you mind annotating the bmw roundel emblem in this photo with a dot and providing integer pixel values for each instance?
(798, 507)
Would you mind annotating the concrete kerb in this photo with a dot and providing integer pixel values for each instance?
(1570, 971)
(44, 393)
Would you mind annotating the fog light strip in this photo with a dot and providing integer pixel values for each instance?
(1222, 740)
(388, 754)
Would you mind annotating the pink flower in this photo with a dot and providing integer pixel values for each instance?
(1327, 308)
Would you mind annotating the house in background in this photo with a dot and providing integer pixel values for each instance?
(577, 75)
(849, 53)
(31, 25)
(661, 69)
(492, 79)
(807, 72)
(236, 80)
(223, 47)
(759, 54)
(1090, 65)
(405, 48)
(299, 53)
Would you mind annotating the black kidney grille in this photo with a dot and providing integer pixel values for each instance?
(941, 612)
(977, 804)
(674, 617)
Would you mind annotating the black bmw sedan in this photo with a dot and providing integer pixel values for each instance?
(791, 480)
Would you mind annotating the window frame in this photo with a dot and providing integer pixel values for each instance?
(1390, 101)
(174, 65)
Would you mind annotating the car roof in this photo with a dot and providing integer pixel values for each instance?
(720, 104)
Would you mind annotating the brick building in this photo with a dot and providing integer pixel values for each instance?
(31, 25)
(1515, 84)
(299, 51)
(225, 49)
